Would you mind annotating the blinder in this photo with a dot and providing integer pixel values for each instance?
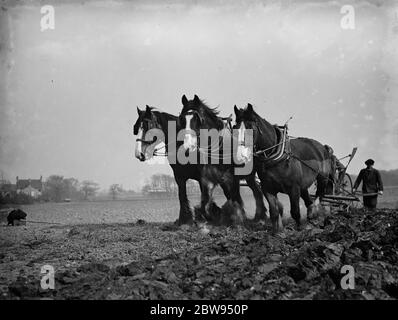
(152, 124)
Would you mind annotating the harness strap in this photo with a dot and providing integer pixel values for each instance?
(281, 153)
(317, 172)
(145, 141)
(228, 121)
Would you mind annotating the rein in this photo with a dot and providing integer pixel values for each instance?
(145, 141)
(287, 154)
(317, 172)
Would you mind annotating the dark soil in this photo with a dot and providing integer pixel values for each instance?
(161, 261)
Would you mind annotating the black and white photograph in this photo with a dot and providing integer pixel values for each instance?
(212, 152)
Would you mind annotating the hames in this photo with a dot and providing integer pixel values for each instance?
(178, 311)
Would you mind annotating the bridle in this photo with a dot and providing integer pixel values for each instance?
(152, 124)
(242, 143)
(263, 152)
(212, 150)
(193, 113)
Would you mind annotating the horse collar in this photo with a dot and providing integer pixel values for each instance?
(281, 148)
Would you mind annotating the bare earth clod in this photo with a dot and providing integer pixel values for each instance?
(161, 261)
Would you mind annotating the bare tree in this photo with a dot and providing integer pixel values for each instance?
(72, 188)
(54, 188)
(114, 189)
(58, 188)
(89, 188)
(162, 182)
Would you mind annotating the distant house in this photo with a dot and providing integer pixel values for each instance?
(31, 187)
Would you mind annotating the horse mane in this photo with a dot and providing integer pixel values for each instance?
(253, 116)
(164, 115)
(160, 114)
(203, 108)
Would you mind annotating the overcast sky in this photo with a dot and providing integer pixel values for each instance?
(68, 96)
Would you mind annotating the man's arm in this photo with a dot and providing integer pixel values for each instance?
(358, 180)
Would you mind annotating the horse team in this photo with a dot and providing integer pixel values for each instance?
(283, 165)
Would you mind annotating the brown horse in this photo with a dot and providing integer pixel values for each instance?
(194, 117)
(291, 170)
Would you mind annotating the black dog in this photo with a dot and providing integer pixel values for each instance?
(16, 214)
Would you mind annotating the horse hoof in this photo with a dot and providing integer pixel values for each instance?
(261, 218)
(261, 222)
(276, 230)
(199, 214)
(311, 211)
(300, 227)
(203, 229)
(184, 221)
(214, 213)
(232, 213)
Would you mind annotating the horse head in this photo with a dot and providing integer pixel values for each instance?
(195, 115)
(245, 119)
(263, 132)
(149, 133)
(246, 122)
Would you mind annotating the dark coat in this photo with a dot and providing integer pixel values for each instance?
(371, 181)
(16, 214)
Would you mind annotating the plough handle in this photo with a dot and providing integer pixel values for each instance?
(368, 194)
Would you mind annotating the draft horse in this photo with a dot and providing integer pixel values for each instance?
(146, 149)
(299, 164)
(196, 115)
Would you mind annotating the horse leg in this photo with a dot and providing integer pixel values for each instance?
(294, 197)
(231, 187)
(329, 185)
(199, 215)
(258, 196)
(185, 216)
(237, 198)
(279, 207)
(208, 208)
(321, 184)
(308, 202)
(275, 208)
(232, 212)
(210, 203)
(226, 190)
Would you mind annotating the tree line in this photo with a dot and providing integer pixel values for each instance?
(58, 188)
(163, 183)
